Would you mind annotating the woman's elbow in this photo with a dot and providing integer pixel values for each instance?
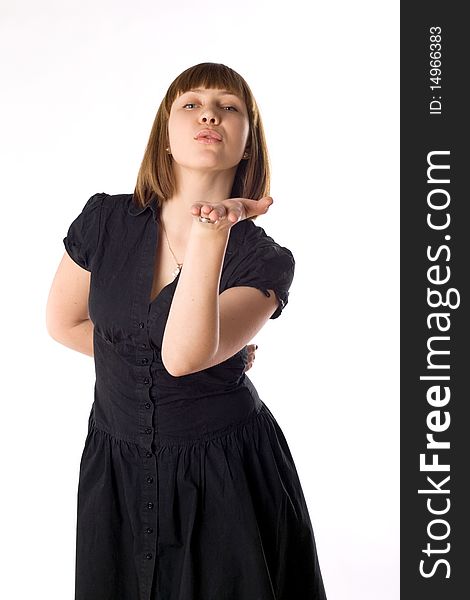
(174, 365)
(178, 365)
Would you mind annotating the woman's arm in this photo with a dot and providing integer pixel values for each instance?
(67, 319)
(78, 337)
(204, 328)
(192, 330)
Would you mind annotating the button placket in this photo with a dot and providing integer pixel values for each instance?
(148, 475)
(144, 356)
(146, 416)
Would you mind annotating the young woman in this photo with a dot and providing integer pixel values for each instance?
(187, 490)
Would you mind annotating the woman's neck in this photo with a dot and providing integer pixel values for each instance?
(210, 188)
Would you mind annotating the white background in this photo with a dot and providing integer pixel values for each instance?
(81, 84)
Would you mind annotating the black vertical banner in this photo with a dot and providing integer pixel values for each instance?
(435, 302)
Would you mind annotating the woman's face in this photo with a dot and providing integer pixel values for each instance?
(213, 109)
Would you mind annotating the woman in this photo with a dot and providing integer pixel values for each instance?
(187, 490)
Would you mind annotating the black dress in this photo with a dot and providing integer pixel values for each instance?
(187, 488)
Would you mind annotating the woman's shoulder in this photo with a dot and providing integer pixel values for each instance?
(249, 236)
(120, 208)
(257, 260)
(119, 202)
(108, 201)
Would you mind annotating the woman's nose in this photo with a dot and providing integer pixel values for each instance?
(208, 118)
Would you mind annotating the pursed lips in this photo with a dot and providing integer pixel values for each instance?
(206, 134)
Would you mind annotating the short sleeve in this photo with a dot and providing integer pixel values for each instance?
(266, 265)
(83, 234)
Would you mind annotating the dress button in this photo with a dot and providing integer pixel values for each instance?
(143, 346)
(144, 361)
(148, 430)
(148, 555)
(149, 530)
(149, 479)
(146, 381)
(147, 405)
(141, 325)
(150, 505)
(149, 454)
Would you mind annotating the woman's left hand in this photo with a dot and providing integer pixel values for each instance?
(226, 213)
(250, 357)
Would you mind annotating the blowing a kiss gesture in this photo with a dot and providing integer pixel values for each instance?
(224, 214)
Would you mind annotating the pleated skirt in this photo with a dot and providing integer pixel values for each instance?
(228, 519)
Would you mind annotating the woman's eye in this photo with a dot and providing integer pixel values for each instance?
(194, 104)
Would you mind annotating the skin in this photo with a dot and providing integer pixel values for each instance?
(251, 356)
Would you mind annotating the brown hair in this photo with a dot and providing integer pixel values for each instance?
(155, 177)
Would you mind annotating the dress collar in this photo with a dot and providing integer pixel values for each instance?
(137, 210)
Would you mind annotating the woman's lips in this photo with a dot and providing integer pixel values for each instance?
(208, 140)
